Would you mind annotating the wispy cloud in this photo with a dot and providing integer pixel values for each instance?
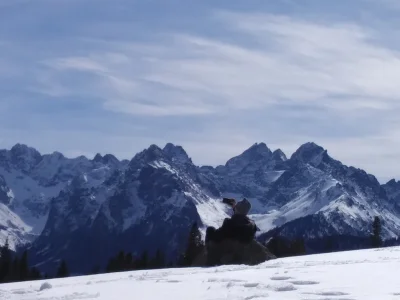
(291, 60)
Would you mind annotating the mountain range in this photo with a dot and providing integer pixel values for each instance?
(85, 210)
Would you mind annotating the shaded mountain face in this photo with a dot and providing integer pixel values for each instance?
(85, 210)
(97, 207)
(29, 181)
(392, 189)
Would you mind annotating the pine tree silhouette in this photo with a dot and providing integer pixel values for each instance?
(376, 240)
(194, 247)
(14, 273)
(128, 263)
(34, 274)
(112, 265)
(329, 244)
(158, 261)
(120, 261)
(298, 247)
(62, 270)
(143, 262)
(23, 267)
(5, 261)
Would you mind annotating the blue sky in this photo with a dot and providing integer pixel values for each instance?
(88, 76)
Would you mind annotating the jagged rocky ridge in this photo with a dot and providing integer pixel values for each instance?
(67, 208)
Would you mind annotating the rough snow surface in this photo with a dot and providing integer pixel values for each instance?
(355, 275)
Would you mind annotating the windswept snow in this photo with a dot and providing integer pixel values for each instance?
(356, 275)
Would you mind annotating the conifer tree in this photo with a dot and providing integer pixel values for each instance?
(112, 265)
(128, 264)
(120, 261)
(298, 247)
(329, 244)
(62, 270)
(194, 247)
(158, 261)
(5, 261)
(23, 267)
(34, 274)
(14, 273)
(143, 262)
(376, 240)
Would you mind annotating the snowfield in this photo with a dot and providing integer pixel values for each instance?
(365, 274)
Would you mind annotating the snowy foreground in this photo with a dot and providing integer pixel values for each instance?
(366, 274)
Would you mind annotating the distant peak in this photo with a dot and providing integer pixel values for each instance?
(154, 149)
(57, 154)
(171, 147)
(24, 149)
(260, 148)
(110, 157)
(150, 154)
(98, 158)
(25, 157)
(279, 155)
(307, 152)
(176, 153)
(257, 152)
(392, 182)
(310, 145)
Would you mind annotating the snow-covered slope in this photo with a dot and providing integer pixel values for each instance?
(67, 206)
(357, 275)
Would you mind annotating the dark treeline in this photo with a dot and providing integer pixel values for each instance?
(281, 246)
(15, 267)
(127, 262)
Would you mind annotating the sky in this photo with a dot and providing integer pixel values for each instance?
(97, 76)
